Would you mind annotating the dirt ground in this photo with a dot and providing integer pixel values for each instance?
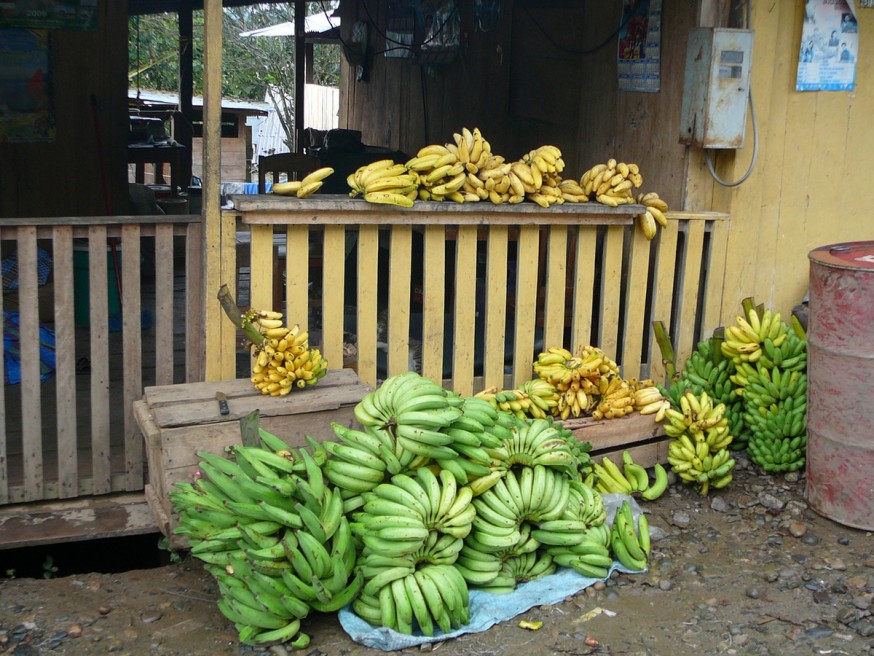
(750, 570)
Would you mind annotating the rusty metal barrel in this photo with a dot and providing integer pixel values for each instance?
(840, 367)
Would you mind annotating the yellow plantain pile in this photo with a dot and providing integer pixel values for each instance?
(654, 215)
(284, 359)
(384, 182)
(307, 186)
(440, 172)
(611, 183)
(578, 382)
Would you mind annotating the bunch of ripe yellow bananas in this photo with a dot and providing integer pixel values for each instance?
(699, 453)
(304, 187)
(538, 175)
(441, 173)
(745, 341)
(384, 182)
(616, 398)
(654, 215)
(576, 378)
(648, 400)
(284, 359)
(535, 398)
(611, 183)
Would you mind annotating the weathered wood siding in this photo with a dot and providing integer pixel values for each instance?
(807, 186)
(530, 82)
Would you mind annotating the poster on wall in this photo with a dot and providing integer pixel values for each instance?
(829, 46)
(640, 36)
(25, 87)
(49, 14)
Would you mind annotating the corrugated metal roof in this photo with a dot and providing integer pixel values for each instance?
(172, 99)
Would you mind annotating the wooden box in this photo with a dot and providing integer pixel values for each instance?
(178, 421)
(644, 438)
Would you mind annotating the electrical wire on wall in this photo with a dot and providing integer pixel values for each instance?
(707, 157)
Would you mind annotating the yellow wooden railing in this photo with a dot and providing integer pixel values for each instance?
(502, 282)
(71, 432)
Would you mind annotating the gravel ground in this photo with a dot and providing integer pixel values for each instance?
(750, 570)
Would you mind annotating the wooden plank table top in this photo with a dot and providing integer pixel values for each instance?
(338, 208)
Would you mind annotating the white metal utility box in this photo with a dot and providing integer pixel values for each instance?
(716, 87)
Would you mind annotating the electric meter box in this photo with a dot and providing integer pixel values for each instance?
(716, 87)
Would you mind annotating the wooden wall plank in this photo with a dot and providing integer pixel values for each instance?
(399, 299)
(132, 357)
(227, 254)
(99, 360)
(434, 302)
(611, 289)
(464, 327)
(555, 285)
(31, 393)
(527, 256)
(637, 332)
(164, 274)
(333, 305)
(261, 267)
(496, 307)
(297, 276)
(368, 260)
(691, 279)
(584, 285)
(663, 301)
(65, 362)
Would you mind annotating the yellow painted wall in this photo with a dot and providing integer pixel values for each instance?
(809, 186)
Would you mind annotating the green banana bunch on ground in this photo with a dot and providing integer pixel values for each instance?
(630, 542)
(631, 478)
(699, 453)
(775, 404)
(433, 596)
(277, 541)
(707, 370)
(529, 442)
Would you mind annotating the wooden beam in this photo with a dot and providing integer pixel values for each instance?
(299, 72)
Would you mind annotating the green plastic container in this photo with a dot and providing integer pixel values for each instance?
(82, 304)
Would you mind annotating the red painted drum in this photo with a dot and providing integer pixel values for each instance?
(840, 367)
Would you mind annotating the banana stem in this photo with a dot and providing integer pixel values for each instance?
(716, 342)
(666, 348)
(232, 310)
(748, 304)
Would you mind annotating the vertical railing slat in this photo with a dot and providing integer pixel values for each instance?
(611, 289)
(526, 302)
(297, 276)
(399, 299)
(496, 307)
(4, 442)
(164, 272)
(132, 359)
(31, 394)
(556, 284)
(65, 362)
(584, 286)
(365, 321)
(434, 302)
(101, 473)
(664, 292)
(227, 256)
(715, 276)
(261, 267)
(334, 277)
(636, 332)
(689, 291)
(195, 312)
(464, 325)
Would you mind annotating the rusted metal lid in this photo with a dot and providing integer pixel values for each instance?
(850, 255)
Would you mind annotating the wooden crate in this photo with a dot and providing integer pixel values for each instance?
(644, 438)
(178, 421)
